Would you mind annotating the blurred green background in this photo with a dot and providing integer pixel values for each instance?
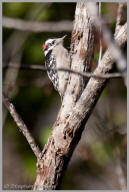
(99, 161)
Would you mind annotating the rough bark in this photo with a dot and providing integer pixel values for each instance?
(76, 106)
(54, 161)
(82, 42)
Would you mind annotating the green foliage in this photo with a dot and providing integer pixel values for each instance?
(44, 134)
(16, 9)
(104, 94)
(103, 8)
(120, 118)
(33, 50)
(29, 165)
(34, 99)
(96, 56)
(102, 152)
(10, 128)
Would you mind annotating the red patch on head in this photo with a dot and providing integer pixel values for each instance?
(44, 46)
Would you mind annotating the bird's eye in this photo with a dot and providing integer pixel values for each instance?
(53, 42)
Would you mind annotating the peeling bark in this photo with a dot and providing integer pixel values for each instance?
(82, 42)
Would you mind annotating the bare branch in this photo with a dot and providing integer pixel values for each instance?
(83, 74)
(115, 50)
(94, 87)
(123, 67)
(35, 26)
(100, 41)
(21, 125)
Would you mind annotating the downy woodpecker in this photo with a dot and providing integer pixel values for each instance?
(56, 56)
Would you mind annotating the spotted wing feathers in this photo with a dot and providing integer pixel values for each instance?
(52, 74)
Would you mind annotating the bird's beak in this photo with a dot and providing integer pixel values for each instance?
(60, 40)
(63, 37)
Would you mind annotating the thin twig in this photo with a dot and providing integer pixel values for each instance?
(84, 74)
(100, 41)
(35, 26)
(22, 127)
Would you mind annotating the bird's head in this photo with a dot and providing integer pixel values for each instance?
(51, 43)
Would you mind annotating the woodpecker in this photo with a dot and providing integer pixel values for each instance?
(56, 56)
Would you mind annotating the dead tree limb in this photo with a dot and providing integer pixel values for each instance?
(70, 123)
(35, 26)
(21, 125)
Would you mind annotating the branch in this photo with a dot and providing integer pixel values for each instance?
(22, 127)
(94, 87)
(83, 74)
(35, 26)
(115, 50)
(119, 16)
(100, 41)
(121, 67)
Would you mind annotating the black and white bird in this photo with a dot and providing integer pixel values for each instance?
(56, 56)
